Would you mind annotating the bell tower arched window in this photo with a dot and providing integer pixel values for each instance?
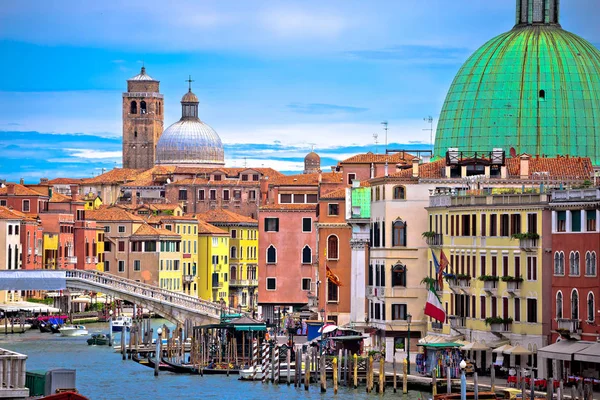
(332, 247)
(271, 255)
(133, 107)
(143, 109)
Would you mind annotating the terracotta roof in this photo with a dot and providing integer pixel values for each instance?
(116, 175)
(230, 172)
(59, 198)
(336, 194)
(148, 177)
(20, 190)
(6, 213)
(307, 179)
(177, 218)
(111, 214)
(147, 230)
(206, 228)
(289, 207)
(64, 181)
(431, 170)
(368, 158)
(225, 217)
(557, 167)
(164, 206)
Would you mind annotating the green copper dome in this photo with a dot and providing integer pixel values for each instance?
(535, 88)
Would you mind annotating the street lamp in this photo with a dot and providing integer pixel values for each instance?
(463, 380)
(158, 357)
(409, 320)
(110, 327)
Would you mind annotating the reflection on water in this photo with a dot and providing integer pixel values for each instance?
(102, 374)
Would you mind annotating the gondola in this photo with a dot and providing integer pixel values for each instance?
(136, 357)
(161, 367)
(220, 371)
(181, 368)
(45, 328)
(55, 328)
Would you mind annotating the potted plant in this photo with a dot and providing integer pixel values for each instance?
(428, 234)
(489, 281)
(463, 277)
(526, 235)
(495, 323)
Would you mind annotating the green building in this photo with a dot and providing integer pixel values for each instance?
(535, 88)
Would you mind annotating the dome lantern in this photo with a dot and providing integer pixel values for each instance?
(531, 12)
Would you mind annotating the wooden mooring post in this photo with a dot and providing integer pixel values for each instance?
(334, 367)
(323, 377)
(448, 380)
(433, 384)
(307, 371)
(370, 375)
(288, 360)
(355, 365)
(394, 372)
(381, 375)
(404, 376)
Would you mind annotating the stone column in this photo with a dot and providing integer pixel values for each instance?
(569, 221)
(358, 281)
(583, 216)
(554, 221)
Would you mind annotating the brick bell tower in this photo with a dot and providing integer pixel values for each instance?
(142, 121)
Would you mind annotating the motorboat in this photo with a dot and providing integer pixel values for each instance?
(249, 374)
(73, 330)
(99, 339)
(121, 323)
(16, 328)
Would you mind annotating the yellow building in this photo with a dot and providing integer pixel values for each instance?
(243, 255)
(50, 247)
(92, 201)
(495, 289)
(187, 228)
(100, 250)
(213, 262)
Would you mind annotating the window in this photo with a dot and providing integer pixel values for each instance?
(271, 283)
(121, 229)
(306, 255)
(213, 194)
(10, 230)
(351, 177)
(399, 193)
(137, 265)
(483, 225)
(574, 304)
(532, 310)
(271, 255)
(244, 177)
(334, 209)
(590, 223)
(332, 247)
(559, 263)
(25, 205)
(483, 260)
(399, 233)
(399, 312)
(561, 221)
(121, 266)
(574, 263)
(399, 275)
(311, 198)
(226, 194)
(532, 268)
(466, 225)
(121, 246)
(271, 224)
(233, 233)
(482, 307)
(532, 223)
(306, 224)
(332, 292)
(3, 203)
(217, 177)
(251, 195)
(285, 198)
(255, 177)
(590, 263)
(143, 108)
(182, 194)
(306, 283)
(504, 225)
(233, 252)
(107, 229)
(517, 317)
(201, 194)
(590, 307)
(559, 305)
(576, 221)
(493, 225)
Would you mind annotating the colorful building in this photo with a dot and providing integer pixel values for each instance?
(10, 249)
(187, 228)
(213, 262)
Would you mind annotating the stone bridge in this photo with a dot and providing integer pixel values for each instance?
(176, 307)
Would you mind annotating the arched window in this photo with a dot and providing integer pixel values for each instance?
(306, 255)
(574, 304)
(133, 108)
(557, 263)
(143, 107)
(233, 252)
(159, 108)
(399, 275)
(399, 233)
(271, 255)
(574, 263)
(399, 193)
(87, 248)
(377, 193)
(9, 256)
(134, 133)
(559, 305)
(332, 247)
(542, 94)
(590, 307)
(590, 263)
(562, 263)
(233, 273)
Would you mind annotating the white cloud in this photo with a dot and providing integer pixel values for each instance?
(300, 23)
(94, 154)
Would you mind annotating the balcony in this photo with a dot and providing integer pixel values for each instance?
(568, 325)
(437, 240)
(188, 278)
(576, 195)
(457, 322)
(501, 327)
(528, 244)
(71, 260)
(91, 260)
(437, 326)
(375, 291)
(514, 288)
(12, 378)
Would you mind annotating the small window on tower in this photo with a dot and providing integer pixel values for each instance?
(542, 94)
(133, 108)
(142, 107)
(134, 133)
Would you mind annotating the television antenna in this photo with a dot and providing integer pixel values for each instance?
(429, 120)
(385, 128)
(375, 136)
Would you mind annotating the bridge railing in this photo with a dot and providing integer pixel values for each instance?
(12, 371)
(149, 291)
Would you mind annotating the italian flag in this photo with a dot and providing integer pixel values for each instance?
(433, 307)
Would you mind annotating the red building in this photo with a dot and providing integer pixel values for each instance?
(21, 198)
(575, 251)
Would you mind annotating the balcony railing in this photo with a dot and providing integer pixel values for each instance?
(513, 287)
(243, 282)
(435, 241)
(502, 327)
(91, 260)
(576, 195)
(188, 278)
(71, 260)
(12, 377)
(375, 291)
(437, 326)
(490, 286)
(528, 244)
(569, 325)
(457, 322)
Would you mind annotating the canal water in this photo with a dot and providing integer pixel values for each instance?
(102, 374)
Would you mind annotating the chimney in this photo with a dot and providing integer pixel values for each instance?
(386, 169)
(415, 167)
(75, 192)
(10, 188)
(524, 166)
(372, 170)
(134, 198)
(43, 181)
(264, 190)
(22, 181)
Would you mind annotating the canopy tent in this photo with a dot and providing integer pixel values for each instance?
(564, 350)
(441, 339)
(518, 350)
(476, 347)
(502, 348)
(590, 353)
(253, 328)
(439, 345)
(28, 306)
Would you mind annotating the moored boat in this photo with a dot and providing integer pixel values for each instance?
(73, 330)
(98, 339)
(181, 368)
(55, 328)
(121, 323)
(161, 367)
(248, 374)
(44, 327)
(16, 328)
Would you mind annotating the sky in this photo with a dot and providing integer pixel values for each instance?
(274, 78)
